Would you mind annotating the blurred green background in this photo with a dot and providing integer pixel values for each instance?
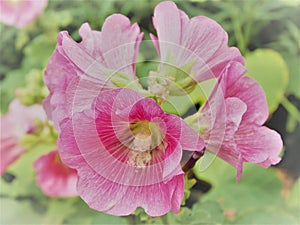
(267, 34)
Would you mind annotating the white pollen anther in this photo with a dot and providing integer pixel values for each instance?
(142, 144)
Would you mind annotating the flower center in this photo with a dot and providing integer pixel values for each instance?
(146, 137)
(15, 2)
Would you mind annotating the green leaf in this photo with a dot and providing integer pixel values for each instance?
(24, 183)
(58, 210)
(254, 200)
(209, 212)
(22, 38)
(8, 86)
(82, 214)
(106, 219)
(188, 184)
(293, 200)
(32, 210)
(178, 105)
(19, 212)
(267, 215)
(269, 69)
(35, 90)
(257, 185)
(38, 52)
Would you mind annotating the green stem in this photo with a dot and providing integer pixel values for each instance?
(292, 110)
(247, 34)
(237, 29)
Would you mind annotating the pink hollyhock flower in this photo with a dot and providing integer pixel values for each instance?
(197, 47)
(127, 153)
(55, 178)
(18, 122)
(84, 69)
(231, 121)
(20, 13)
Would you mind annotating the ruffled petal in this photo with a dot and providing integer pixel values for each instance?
(10, 152)
(77, 72)
(250, 92)
(167, 23)
(259, 145)
(226, 147)
(199, 40)
(120, 44)
(121, 200)
(241, 117)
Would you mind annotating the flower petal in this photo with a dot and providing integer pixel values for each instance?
(54, 178)
(259, 145)
(18, 122)
(245, 140)
(180, 130)
(20, 13)
(199, 40)
(120, 200)
(10, 152)
(120, 44)
(95, 143)
(77, 72)
(250, 92)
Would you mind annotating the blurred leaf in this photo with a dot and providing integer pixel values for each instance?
(59, 18)
(267, 215)
(294, 73)
(38, 52)
(258, 193)
(82, 214)
(21, 39)
(294, 197)
(10, 56)
(35, 90)
(106, 219)
(58, 210)
(225, 188)
(269, 69)
(178, 105)
(31, 210)
(208, 212)
(24, 182)
(13, 80)
(17, 212)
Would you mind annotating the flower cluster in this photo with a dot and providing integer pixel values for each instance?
(18, 126)
(126, 150)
